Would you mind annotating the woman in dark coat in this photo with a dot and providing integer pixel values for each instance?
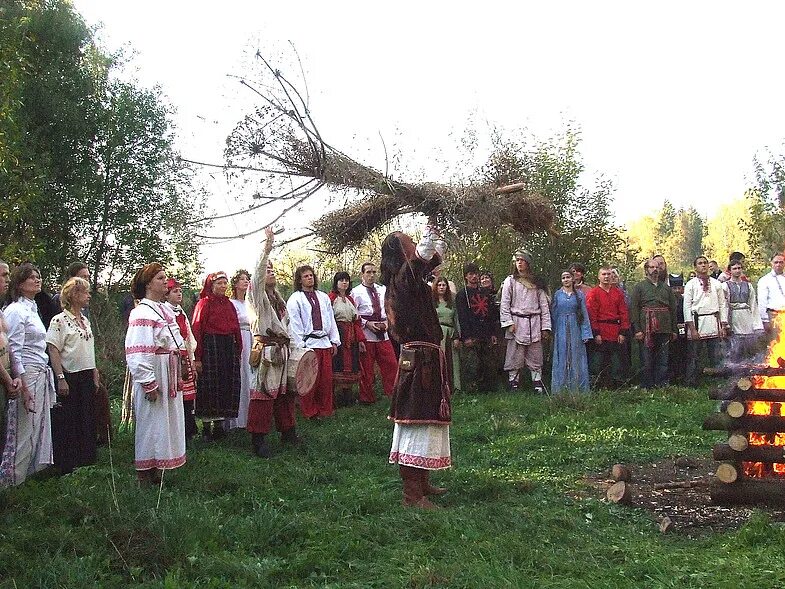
(420, 405)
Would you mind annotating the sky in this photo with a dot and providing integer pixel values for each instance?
(674, 99)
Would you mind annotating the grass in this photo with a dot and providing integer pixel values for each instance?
(329, 514)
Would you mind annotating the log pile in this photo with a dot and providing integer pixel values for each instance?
(751, 467)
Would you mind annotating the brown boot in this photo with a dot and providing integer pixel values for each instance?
(412, 489)
(427, 489)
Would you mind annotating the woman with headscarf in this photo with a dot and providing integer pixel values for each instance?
(239, 288)
(219, 346)
(420, 405)
(28, 441)
(571, 331)
(71, 347)
(152, 351)
(174, 300)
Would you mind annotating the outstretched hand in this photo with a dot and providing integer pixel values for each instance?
(270, 238)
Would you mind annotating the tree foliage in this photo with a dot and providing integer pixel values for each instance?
(87, 162)
(766, 225)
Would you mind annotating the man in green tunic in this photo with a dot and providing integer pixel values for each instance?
(653, 318)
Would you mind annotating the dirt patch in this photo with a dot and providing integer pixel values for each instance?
(690, 509)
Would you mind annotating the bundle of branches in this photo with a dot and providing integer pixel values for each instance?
(281, 141)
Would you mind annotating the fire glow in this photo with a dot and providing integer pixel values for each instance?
(759, 470)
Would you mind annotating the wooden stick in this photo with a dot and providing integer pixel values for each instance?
(680, 485)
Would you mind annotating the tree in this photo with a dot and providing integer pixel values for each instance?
(766, 225)
(727, 231)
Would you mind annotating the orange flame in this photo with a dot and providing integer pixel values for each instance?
(757, 439)
(759, 407)
(753, 469)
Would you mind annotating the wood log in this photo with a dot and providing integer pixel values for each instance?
(666, 525)
(745, 371)
(619, 492)
(748, 492)
(749, 423)
(680, 485)
(751, 453)
(619, 472)
(738, 441)
(735, 408)
(735, 394)
(728, 472)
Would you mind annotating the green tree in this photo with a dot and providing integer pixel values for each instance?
(726, 230)
(766, 224)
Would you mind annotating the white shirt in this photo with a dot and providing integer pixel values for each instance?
(771, 294)
(26, 335)
(705, 304)
(362, 299)
(301, 323)
(76, 345)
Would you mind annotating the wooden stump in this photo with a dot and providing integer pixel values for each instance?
(619, 472)
(619, 493)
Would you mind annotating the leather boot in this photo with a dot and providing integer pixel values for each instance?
(412, 489)
(260, 447)
(427, 489)
(290, 437)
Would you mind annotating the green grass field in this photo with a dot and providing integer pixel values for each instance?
(329, 514)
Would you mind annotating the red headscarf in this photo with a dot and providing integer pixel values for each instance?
(214, 314)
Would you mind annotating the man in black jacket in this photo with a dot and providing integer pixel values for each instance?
(478, 319)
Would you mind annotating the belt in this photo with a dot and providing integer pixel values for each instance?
(610, 321)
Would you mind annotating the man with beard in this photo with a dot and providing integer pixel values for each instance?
(662, 268)
(653, 317)
(477, 318)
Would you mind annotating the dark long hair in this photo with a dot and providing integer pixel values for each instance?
(341, 276)
(298, 277)
(393, 258)
(18, 275)
(447, 293)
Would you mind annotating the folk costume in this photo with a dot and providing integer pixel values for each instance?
(219, 346)
(771, 295)
(312, 325)
(609, 319)
(28, 447)
(152, 351)
(245, 364)
(525, 305)
(743, 317)
(478, 317)
(571, 331)
(653, 313)
(74, 439)
(706, 307)
(270, 398)
(188, 380)
(420, 405)
(5, 362)
(448, 319)
(370, 301)
(346, 362)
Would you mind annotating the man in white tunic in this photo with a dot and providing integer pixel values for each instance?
(152, 350)
(771, 293)
(526, 316)
(705, 318)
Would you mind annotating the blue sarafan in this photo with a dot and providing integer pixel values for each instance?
(570, 321)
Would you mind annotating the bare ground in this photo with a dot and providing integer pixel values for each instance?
(690, 509)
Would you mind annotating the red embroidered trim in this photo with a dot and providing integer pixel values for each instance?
(144, 323)
(159, 463)
(257, 395)
(140, 350)
(149, 386)
(420, 461)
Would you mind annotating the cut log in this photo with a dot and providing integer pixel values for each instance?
(727, 472)
(735, 409)
(738, 441)
(680, 485)
(745, 371)
(619, 472)
(666, 525)
(749, 423)
(735, 394)
(744, 383)
(748, 492)
(751, 453)
(619, 493)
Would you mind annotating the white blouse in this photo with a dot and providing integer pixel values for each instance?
(26, 335)
(76, 345)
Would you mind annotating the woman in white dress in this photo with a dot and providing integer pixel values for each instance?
(239, 284)
(152, 351)
(28, 446)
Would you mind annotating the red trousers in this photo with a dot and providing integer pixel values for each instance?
(262, 412)
(381, 353)
(319, 403)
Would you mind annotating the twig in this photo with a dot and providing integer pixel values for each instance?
(680, 485)
(111, 469)
(160, 489)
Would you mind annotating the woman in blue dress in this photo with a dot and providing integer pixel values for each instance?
(571, 331)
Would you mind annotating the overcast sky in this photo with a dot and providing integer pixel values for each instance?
(674, 98)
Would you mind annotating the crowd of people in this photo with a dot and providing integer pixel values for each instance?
(248, 359)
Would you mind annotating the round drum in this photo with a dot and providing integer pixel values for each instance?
(301, 370)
